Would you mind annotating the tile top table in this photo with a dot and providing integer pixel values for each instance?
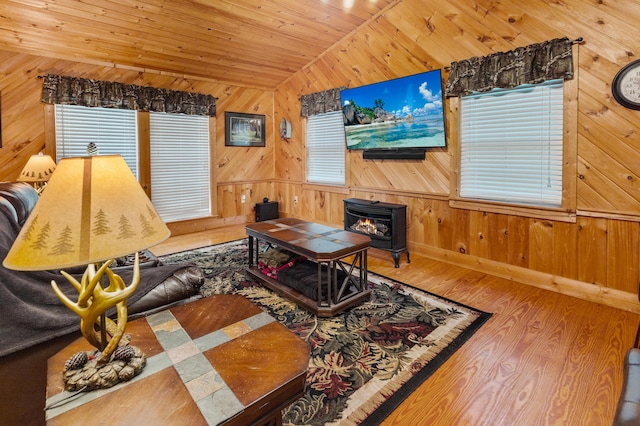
(327, 247)
(219, 360)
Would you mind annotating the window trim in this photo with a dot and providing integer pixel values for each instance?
(113, 122)
(144, 173)
(187, 131)
(144, 146)
(306, 159)
(567, 211)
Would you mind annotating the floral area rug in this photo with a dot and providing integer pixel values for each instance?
(363, 362)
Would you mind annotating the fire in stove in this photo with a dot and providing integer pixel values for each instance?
(371, 227)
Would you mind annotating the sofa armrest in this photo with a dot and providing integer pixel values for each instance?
(182, 286)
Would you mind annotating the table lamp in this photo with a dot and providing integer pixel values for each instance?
(92, 212)
(37, 171)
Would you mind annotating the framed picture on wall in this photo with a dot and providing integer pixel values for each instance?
(244, 129)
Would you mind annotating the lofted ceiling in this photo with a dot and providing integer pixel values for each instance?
(253, 43)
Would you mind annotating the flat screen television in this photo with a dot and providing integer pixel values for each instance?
(403, 114)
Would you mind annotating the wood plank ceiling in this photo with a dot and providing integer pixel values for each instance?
(251, 43)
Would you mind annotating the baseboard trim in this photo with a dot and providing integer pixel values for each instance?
(203, 224)
(567, 286)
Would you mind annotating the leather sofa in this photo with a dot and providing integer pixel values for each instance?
(34, 324)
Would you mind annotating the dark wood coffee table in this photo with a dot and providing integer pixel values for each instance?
(328, 247)
(219, 360)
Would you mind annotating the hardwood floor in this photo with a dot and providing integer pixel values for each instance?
(542, 359)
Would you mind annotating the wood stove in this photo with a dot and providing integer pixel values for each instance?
(384, 223)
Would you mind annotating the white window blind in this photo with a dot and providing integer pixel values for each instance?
(180, 179)
(511, 145)
(114, 131)
(325, 148)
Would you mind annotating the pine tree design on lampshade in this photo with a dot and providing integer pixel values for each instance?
(93, 211)
(101, 225)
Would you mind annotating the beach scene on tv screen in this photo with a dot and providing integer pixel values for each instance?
(405, 112)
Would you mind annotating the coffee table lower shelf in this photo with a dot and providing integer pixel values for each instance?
(322, 309)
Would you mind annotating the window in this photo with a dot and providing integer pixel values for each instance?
(325, 148)
(511, 145)
(114, 131)
(180, 179)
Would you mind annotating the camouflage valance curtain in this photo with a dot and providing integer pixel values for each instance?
(531, 64)
(58, 89)
(320, 102)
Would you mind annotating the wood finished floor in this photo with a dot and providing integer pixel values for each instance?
(542, 359)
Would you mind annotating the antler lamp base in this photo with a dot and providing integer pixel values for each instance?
(83, 372)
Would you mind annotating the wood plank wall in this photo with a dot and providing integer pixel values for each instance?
(27, 128)
(596, 258)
